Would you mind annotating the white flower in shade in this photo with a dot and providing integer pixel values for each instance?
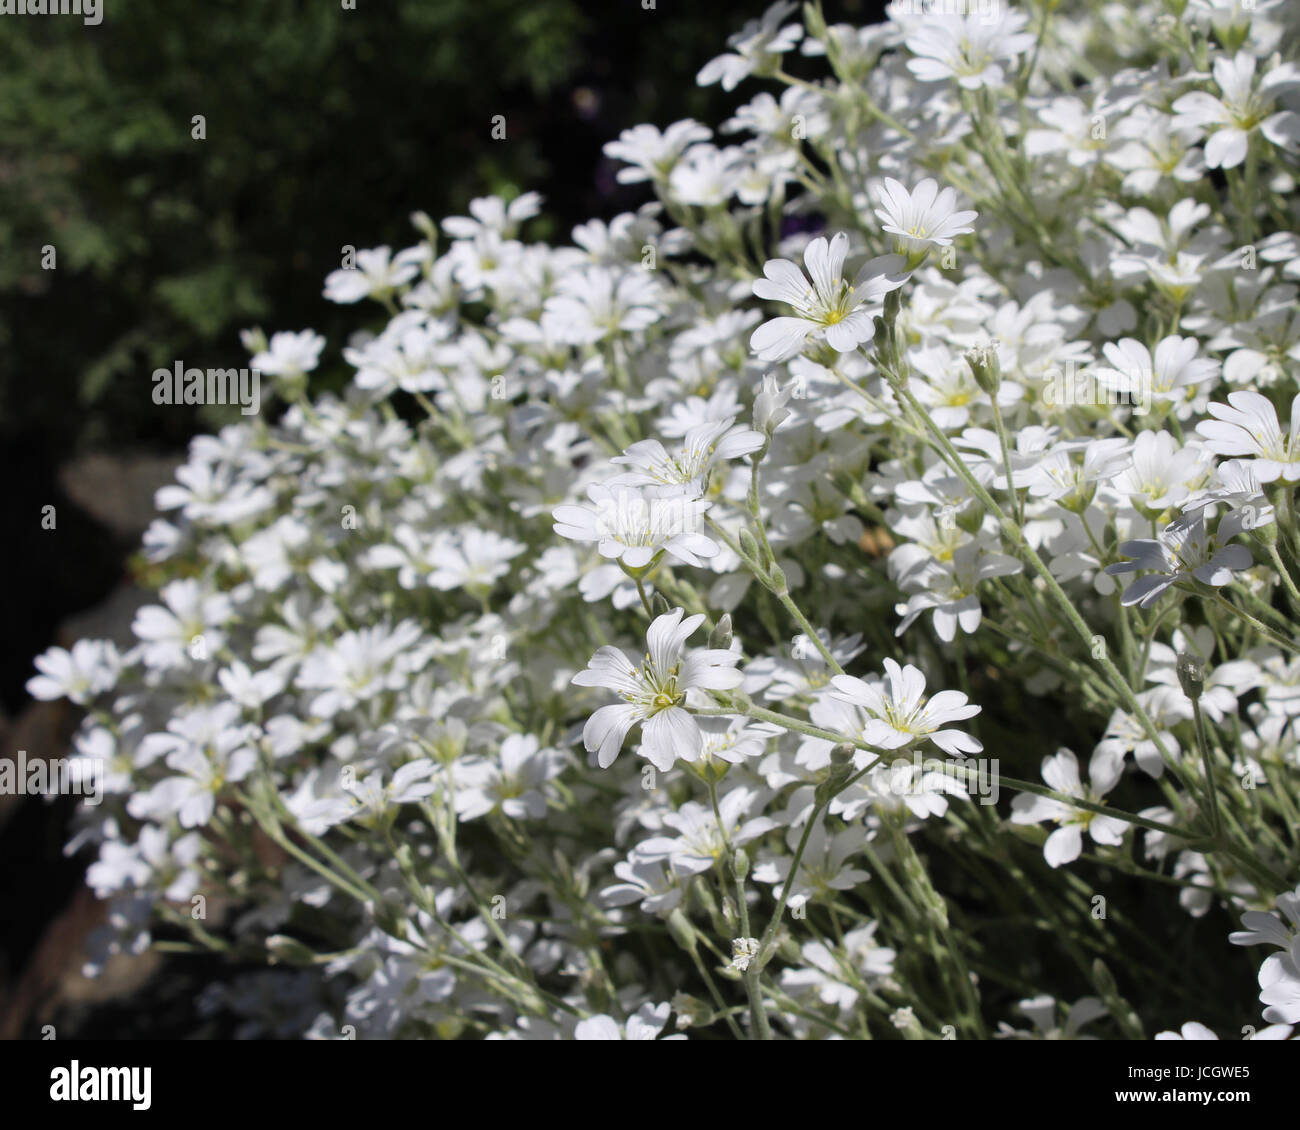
(1192, 1030)
(829, 308)
(370, 798)
(645, 1024)
(655, 692)
(969, 48)
(826, 865)
(826, 972)
(1265, 928)
(89, 669)
(754, 43)
(1279, 976)
(289, 354)
(1043, 1013)
(1248, 425)
(472, 558)
(701, 841)
(1241, 108)
(648, 882)
(901, 714)
(1279, 986)
(948, 589)
(1061, 772)
(376, 274)
(514, 783)
(922, 218)
(633, 527)
(1185, 550)
(686, 470)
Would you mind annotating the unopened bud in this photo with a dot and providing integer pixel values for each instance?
(720, 637)
(1191, 674)
(681, 930)
(659, 604)
(290, 951)
(893, 304)
(984, 365)
(739, 864)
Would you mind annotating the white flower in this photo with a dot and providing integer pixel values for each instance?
(89, 669)
(701, 841)
(1264, 928)
(654, 693)
(1185, 549)
(634, 527)
(290, 354)
(472, 558)
(824, 868)
(1061, 772)
(646, 881)
(829, 308)
(770, 410)
(754, 44)
(1192, 1030)
(686, 471)
(922, 218)
(645, 1024)
(650, 154)
(513, 783)
(597, 303)
(1164, 379)
(357, 666)
(376, 275)
(186, 629)
(900, 714)
(743, 952)
(1240, 109)
(1279, 986)
(1250, 427)
(371, 798)
(947, 588)
(969, 48)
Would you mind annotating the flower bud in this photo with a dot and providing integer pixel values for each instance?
(720, 637)
(681, 930)
(740, 864)
(290, 951)
(893, 305)
(984, 365)
(1191, 674)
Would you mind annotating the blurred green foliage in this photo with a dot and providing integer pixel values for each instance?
(320, 123)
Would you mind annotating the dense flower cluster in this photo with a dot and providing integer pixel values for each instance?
(627, 648)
